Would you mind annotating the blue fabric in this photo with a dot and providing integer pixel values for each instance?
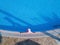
(39, 15)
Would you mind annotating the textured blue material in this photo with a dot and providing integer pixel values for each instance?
(39, 15)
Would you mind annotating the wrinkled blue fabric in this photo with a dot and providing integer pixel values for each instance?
(39, 15)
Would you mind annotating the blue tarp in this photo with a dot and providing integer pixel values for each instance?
(39, 15)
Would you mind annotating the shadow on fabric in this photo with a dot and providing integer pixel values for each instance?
(0, 38)
(27, 42)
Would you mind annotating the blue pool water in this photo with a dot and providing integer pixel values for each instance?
(39, 15)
